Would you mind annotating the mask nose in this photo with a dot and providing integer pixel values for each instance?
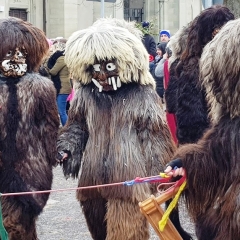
(18, 56)
(102, 76)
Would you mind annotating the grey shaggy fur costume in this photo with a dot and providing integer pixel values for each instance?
(114, 136)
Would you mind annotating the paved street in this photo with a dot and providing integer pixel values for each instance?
(62, 218)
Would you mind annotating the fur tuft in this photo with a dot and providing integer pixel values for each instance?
(178, 44)
(130, 26)
(220, 71)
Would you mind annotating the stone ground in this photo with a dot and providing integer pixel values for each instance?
(62, 218)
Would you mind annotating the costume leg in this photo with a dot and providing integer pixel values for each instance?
(94, 211)
(125, 221)
(18, 224)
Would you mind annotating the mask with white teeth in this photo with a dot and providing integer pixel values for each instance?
(14, 63)
(105, 76)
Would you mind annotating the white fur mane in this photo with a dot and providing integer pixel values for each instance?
(108, 42)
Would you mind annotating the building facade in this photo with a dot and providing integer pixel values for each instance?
(63, 17)
(165, 14)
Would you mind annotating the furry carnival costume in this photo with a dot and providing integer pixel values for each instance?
(212, 165)
(28, 124)
(115, 130)
(178, 44)
(191, 108)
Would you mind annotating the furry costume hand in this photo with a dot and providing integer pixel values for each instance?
(62, 155)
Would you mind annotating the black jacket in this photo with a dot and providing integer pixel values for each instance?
(51, 62)
(149, 44)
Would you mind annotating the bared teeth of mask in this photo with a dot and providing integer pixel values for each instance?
(5, 64)
(109, 81)
(22, 67)
(114, 84)
(98, 85)
(96, 82)
(118, 82)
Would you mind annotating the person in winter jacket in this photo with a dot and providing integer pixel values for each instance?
(150, 44)
(61, 77)
(158, 66)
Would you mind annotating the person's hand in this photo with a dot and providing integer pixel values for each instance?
(62, 156)
(175, 165)
(165, 56)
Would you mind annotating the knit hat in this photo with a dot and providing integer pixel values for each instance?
(145, 24)
(167, 32)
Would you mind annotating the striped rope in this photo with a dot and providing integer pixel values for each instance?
(162, 178)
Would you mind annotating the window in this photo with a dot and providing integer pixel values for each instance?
(18, 13)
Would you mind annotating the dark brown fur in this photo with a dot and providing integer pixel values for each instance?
(191, 111)
(31, 168)
(213, 181)
(28, 132)
(212, 164)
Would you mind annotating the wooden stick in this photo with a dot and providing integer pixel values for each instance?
(153, 212)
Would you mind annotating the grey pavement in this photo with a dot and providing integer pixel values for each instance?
(62, 218)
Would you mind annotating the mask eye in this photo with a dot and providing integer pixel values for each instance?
(19, 54)
(110, 66)
(96, 67)
(9, 54)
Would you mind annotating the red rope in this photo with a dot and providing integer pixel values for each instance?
(128, 183)
(60, 190)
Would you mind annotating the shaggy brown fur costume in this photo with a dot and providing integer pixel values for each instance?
(28, 130)
(212, 165)
(178, 44)
(113, 136)
(191, 109)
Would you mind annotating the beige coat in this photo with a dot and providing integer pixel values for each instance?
(64, 75)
